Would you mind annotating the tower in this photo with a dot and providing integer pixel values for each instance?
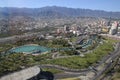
(114, 28)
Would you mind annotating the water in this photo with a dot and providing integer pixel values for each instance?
(89, 41)
(86, 44)
(39, 49)
(30, 49)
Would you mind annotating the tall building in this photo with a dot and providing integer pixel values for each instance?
(109, 22)
(66, 28)
(59, 30)
(114, 28)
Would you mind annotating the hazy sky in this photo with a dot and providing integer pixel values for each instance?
(108, 5)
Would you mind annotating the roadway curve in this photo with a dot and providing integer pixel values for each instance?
(63, 68)
(98, 73)
(115, 55)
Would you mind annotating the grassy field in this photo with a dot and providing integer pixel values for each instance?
(73, 39)
(70, 79)
(5, 47)
(116, 76)
(13, 62)
(54, 71)
(78, 62)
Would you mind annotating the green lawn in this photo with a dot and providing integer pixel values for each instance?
(116, 76)
(73, 39)
(13, 62)
(5, 47)
(54, 71)
(78, 62)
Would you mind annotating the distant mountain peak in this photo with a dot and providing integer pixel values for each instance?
(55, 12)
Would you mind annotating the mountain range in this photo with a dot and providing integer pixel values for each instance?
(55, 12)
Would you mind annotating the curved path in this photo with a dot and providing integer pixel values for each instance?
(63, 68)
(77, 70)
(88, 70)
(113, 57)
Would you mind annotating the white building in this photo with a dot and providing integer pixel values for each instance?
(114, 28)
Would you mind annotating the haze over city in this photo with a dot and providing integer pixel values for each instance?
(107, 5)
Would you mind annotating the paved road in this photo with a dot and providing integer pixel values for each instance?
(65, 75)
(98, 73)
(80, 71)
(109, 64)
(12, 39)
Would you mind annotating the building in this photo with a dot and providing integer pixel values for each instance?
(114, 28)
(60, 30)
(66, 28)
(105, 29)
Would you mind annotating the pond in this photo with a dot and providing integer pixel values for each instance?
(30, 49)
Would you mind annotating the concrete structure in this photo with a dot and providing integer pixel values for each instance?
(49, 37)
(114, 28)
(66, 28)
(23, 74)
(60, 30)
(105, 29)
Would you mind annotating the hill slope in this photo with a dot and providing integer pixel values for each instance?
(56, 12)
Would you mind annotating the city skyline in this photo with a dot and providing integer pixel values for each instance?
(107, 5)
